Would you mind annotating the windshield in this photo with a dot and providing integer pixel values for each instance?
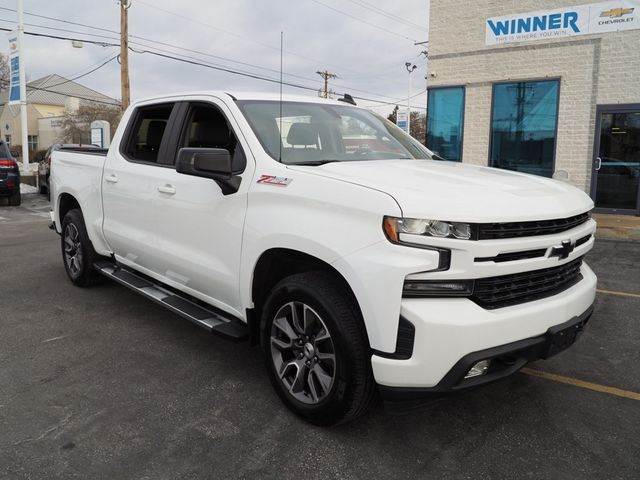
(316, 133)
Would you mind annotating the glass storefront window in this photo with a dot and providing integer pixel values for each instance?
(523, 126)
(445, 116)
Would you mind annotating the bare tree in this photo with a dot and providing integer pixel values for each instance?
(76, 124)
(5, 75)
(418, 124)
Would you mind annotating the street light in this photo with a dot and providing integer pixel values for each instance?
(410, 68)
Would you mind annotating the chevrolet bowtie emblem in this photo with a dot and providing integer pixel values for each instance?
(564, 250)
(616, 12)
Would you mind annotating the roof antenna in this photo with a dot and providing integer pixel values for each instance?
(280, 128)
(346, 98)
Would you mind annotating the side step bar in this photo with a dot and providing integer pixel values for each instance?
(207, 318)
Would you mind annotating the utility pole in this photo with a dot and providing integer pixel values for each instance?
(124, 53)
(23, 90)
(410, 68)
(326, 76)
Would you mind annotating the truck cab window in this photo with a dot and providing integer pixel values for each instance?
(147, 133)
(207, 127)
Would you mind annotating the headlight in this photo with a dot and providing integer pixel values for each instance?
(394, 226)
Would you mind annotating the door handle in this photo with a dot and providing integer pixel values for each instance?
(168, 189)
(598, 163)
(111, 178)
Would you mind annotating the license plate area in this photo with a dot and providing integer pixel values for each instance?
(561, 337)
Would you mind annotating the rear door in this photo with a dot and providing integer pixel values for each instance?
(129, 186)
(199, 227)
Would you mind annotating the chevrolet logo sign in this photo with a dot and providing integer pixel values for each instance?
(563, 251)
(617, 12)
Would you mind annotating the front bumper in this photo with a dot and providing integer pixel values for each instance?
(505, 360)
(449, 331)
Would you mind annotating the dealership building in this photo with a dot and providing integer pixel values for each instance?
(544, 87)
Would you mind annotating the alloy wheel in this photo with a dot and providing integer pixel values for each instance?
(73, 249)
(302, 352)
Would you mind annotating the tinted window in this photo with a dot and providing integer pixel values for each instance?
(445, 113)
(4, 150)
(207, 127)
(147, 133)
(306, 133)
(523, 127)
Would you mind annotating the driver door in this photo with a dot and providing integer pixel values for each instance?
(199, 227)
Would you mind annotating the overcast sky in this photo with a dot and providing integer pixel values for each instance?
(368, 57)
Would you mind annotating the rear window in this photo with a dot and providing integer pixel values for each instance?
(147, 133)
(4, 150)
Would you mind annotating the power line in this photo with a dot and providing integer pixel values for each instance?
(145, 45)
(342, 12)
(84, 74)
(387, 14)
(142, 39)
(236, 35)
(188, 61)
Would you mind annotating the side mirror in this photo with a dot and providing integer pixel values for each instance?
(214, 163)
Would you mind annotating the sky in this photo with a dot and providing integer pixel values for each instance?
(364, 42)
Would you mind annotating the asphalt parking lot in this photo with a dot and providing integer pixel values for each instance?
(101, 383)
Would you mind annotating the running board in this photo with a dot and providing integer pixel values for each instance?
(204, 317)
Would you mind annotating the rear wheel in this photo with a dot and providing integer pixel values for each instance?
(78, 254)
(15, 200)
(316, 349)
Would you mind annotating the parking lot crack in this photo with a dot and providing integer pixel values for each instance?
(49, 430)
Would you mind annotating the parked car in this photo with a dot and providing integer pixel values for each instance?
(360, 269)
(44, 166)
(9, 176)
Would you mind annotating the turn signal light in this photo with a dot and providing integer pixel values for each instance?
(437, 288)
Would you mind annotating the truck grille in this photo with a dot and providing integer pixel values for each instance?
(488, 231)
(505, 290)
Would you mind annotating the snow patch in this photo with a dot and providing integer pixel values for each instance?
(24, 188)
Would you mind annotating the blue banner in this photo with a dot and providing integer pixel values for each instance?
(14, 65)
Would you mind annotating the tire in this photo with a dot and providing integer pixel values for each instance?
(15, 200)
(78, 254)
(316, 388)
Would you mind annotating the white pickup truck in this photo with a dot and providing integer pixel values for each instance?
(324, 233)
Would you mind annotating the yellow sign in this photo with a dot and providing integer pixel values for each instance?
(617, 12)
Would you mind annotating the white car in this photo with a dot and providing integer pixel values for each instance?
(326, 234)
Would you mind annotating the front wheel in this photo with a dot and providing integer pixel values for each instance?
(316, 349)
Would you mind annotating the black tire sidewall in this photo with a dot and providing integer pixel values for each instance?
(87, 273)
(332, 408)
(15, 200)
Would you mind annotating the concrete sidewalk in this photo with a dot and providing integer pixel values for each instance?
(618, 227)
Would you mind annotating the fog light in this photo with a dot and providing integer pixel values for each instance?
(478, 369)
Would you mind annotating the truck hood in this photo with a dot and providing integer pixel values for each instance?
(460, 192)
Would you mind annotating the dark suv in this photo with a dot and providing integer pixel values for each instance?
(9, 176)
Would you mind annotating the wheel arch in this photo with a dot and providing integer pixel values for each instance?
(276, 264)
(66, 203)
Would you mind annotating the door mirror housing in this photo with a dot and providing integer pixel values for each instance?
(205, 162)
(214, 163)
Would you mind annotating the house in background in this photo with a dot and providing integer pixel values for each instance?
(47, 100)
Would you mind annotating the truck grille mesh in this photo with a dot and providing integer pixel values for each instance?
(505, 290)
(488, 231)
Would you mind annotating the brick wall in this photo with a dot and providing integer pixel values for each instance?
(593, 70)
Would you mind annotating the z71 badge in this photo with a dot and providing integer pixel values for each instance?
(273, 180)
